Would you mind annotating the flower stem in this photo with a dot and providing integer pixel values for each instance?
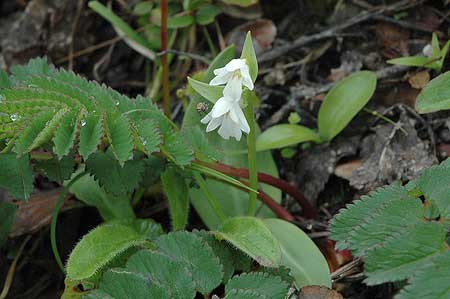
(252, 166)
(164, 62)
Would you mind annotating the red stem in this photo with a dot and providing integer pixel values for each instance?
(164, 63)
(308, 209)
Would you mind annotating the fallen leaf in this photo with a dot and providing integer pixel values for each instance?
(392, 39)
(345, 170)
(318, 292)
(419, 80)
(263, 34)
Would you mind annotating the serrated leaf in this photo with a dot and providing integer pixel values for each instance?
(50, 127)
(8, 215)
(344, 101)
(243, 294)
(210, 92)
(90, 134)
(299, 253)
(181, 153)
(99, 247)
(164, 271)
(431, 282)
(5, 82)
(177, 191)
(123, 284)
(57, 170)
(149, 136)
(259, 283)
(116, 179)
(284, 135)
(31, 132)
(16, 176)
(119, 133)
(251, 236)
(65, 134)
(248, 53)
(196, 256)
(403, 255)
(36, 66)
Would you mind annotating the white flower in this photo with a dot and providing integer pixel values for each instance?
(234, 74)
(428, 51)
(227, 114)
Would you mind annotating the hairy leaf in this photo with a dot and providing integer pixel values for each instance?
(177, 191)
(259, 283)
(16, 176)
(90, 134)
(65, 134)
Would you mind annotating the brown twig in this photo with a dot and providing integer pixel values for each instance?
(164, 62)
(308, 209)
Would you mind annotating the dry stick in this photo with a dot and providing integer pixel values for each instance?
(308, 209)
(73, 32)
(164, 63)
(304, 40)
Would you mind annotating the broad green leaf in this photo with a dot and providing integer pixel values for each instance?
(419, 61)
(164, 271)
(99, 247)
(182, 21)
(405, 254)
(194, 254)
(110, 207)
(55, 169)
(248, 53)
(243, 3)
(209, 92)
(284, 135)
(250, 235)
(7, 214)
(116, 179)
(177, 192)
(65, 134)
(431, 282)
(123, 284)
(16, 176)
(119, 134)
(142, 8)
(263, 284)
(299, 253)
(344, 101)
(206, 14)
(435, 96)
(90, 133)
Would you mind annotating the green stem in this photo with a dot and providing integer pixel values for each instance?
(58, 205)
(252, 166)
(209, 41)
(211, 199)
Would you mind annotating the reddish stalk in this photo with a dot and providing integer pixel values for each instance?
(308, 209)
(164, 62)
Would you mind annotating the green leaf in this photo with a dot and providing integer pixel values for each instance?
(50, 127)
(209, 92)
(26, 140)
(37, 66)
(206, 14)
(419, 61)
(435, 274)
(179, 151)
(163, 271)
(65, 134)
(57, 170)
(243, 3)
(259, 283)
(299, 253)
(5, 82)
(284, 135)
(182, 21)
(195, 255)
(116, 179)
(220, 61)
(99, 247)
(16, 176)
(177, 192)
(344, 101)
(90, 134)
(8, 215)
(435, 96)
(149, 136)
(248, 53)
(142, 8)
(239, 294)
(250, 235)
(119, 134)
(110, 207)
(122, 284)
(405, 254)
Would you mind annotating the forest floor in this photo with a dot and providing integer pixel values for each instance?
(304, 48)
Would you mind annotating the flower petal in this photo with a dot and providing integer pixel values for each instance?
(247, 80)
(235, 64)
(206, 119)
(221, 107)
(242, 120)
(233, 89)
(214, 123)
(221, 78)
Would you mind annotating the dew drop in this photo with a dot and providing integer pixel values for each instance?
(117, 103)
(14, 117)
(83, 122)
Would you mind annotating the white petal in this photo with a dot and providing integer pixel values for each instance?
(235, 64)
(233, 89)
(222, 106)
(226, 128)
(428, 50)
(219, 71)
(206, 119)
(247, 80)
(242, 120)
(214, 123)
(221, 78)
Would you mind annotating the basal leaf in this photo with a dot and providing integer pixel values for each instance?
(177, 191)
(251, 236)
(259, 283)
(16, 176)
(344, 101)
(435, 96)
(284, 135)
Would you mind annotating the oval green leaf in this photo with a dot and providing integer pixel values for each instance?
(209, 92)
(435, 96)
(250, 235)
(284, 135)
(248, 53)
(300, 254)
(344, 101)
